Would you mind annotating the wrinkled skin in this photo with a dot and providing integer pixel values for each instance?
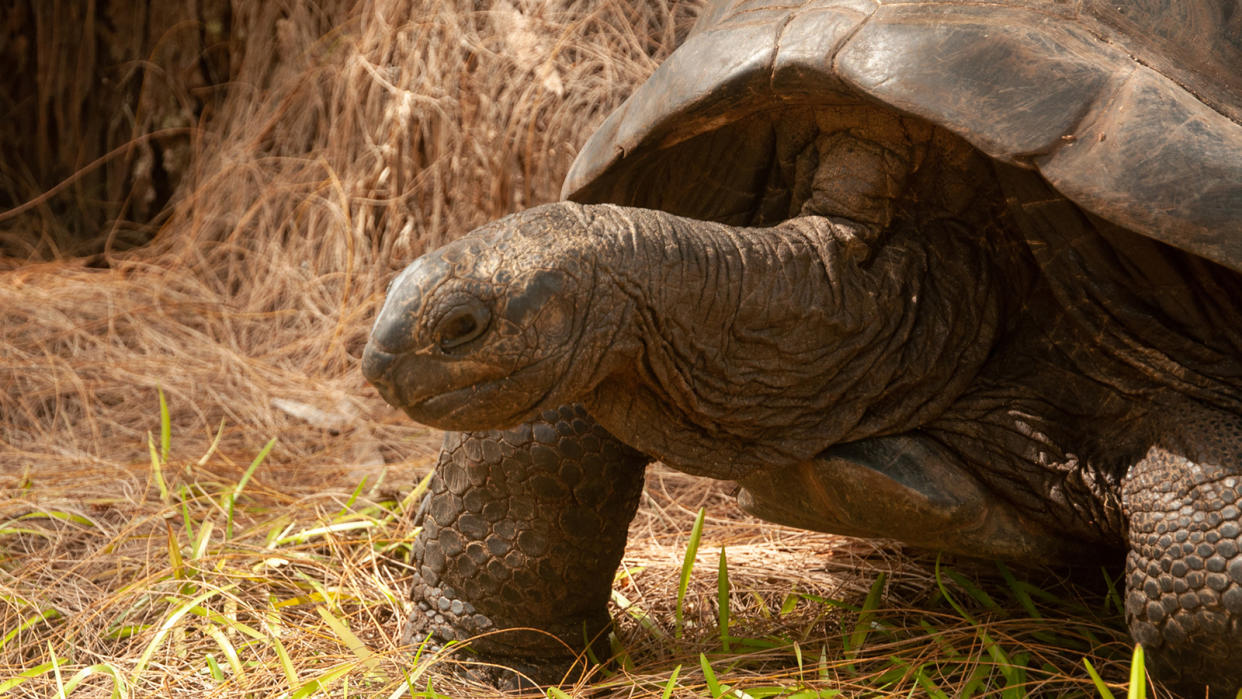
(929, 335)
(804, 337)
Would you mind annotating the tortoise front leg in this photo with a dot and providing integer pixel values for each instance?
(524, 529)
(1184, 569)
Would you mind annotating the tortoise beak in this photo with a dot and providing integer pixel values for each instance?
(377, 367)
(393, 336)
(394, 328)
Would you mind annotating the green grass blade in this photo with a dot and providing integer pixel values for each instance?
(620, 654)
(554, 693)
(944, 592)
(267, 448)
(789, 603)
(175, 561)
(167, 627)
(321, 683)
(351, 641)
(187, 521)
(1019, 591)
(672, 682)
(286, 663)
(231, 497)
(215, 444)
(120, 690)
(60, 682)
(714, 688)
(1138, 674)
(353, 497)
(307, 534)
(1105, 692)
(418, 666)
(226, 647)
(862, 627)
(157, 470)
(6, 531)
(213, 668)
(1113, 597)
(977, 593)
(58, 515)
(1013, 670)
(204, 538)
(692, 550)
(45, 615)
(165, 427)
(920, 676)
(24, 676)
(410, 502)
(722, 599)
(229, 621)
(638, 614)
(826, 601)
(978, 678)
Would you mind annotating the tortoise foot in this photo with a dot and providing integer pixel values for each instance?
(522, 531)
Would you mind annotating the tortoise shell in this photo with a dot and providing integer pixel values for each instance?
(1129, 110)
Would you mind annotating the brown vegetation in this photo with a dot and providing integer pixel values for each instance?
(344, 140)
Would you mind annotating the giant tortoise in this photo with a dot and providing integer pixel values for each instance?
(965, 274)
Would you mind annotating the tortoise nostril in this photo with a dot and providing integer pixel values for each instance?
(461, 325)
(394, 329)
(376, 364)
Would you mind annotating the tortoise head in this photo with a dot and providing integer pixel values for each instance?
(478, 333)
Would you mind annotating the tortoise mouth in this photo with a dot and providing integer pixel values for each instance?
(455, 394)
(440, 409)
(459, 410)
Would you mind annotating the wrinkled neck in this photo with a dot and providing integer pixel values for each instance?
(744, 347)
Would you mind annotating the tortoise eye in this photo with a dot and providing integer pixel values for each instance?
(462, 324)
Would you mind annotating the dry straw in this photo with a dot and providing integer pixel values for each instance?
(344, 140)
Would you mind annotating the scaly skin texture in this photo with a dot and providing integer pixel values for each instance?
(1184, 570)
(524, 528)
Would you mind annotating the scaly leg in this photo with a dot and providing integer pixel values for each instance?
(524, 529)
(1184, 569)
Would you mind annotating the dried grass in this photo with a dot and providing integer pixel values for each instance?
(350, 138)
(343, 139)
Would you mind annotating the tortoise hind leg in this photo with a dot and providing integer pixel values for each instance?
(523, 529)
(907, 487)
(1184, 568)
